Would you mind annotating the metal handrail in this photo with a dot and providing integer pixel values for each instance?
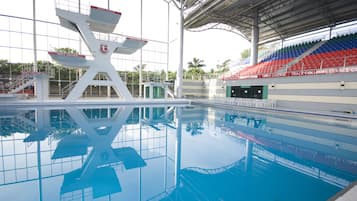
(68, 87)
(348, 65)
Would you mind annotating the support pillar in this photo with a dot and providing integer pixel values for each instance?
(248, 155)
(330, 32)
(166, 88)
(34, 68)
(254, 40)
(179, 81)
(41, 86)
(168, 41)
(141, 51)
(178, 147)
(151, 92)
(282, 43)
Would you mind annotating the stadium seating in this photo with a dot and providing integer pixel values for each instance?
(272, 63)
(340, 51)
(336, 52)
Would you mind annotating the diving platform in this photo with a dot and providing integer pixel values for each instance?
(103, 20)
(70, 60)
(99, 20)
(130, 46)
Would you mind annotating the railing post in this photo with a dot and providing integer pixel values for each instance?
(302, 68)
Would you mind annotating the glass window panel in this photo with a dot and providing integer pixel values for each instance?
(31, 160)
(10, 176)
(2, 177)
(9, 162)
(20, 161)
(12, 8)
(32, 173)
(8, 147)
(21, 174)
(27, 41)
(15, 40)
(19, 147)
(4, 53)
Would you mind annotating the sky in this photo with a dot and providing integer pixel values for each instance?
(212, 46)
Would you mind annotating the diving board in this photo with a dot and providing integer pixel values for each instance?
(99, 20)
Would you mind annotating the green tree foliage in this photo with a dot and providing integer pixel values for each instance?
(195, 67)
(224, 67)
(137, 67)
(172, 75)
(66, 50)
(245, 53)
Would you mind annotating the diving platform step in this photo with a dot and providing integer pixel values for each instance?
(130, 45)
(103, 20)
(70, 60)
(68, 24)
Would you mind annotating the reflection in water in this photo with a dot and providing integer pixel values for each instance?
(126, 153)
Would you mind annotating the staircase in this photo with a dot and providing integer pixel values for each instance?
(21, 82)
(299, 58)
(170, 93)
(65, 90)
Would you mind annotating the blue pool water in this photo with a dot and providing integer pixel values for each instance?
(168, 153)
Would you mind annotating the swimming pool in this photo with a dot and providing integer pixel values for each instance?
(172, 153)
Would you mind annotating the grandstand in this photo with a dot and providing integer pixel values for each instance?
(318, 72)
(305, 58)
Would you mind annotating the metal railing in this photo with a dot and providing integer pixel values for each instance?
(341, 64)
(27, 75)
(66, 89)
(324, 63)
(73, 6)
(245, 102)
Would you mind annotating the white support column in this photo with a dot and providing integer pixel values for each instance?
(254, 40)
(166, 88)
(108, 87)
(41, 86)
(248, 155)
(34, 36)
(141, 50)
(34, 68)
(151, 91)
(179, 80)
(144, 91)
(168, 41)
(178, 146)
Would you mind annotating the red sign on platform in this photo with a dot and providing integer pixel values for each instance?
(104, 48)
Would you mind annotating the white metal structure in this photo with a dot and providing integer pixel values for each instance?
(99, 20)
(149, 89)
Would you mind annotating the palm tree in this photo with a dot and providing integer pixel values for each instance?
(196, 63)
(224, 67)
(137, 67)
(195, 67)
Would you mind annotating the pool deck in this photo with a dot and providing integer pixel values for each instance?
(348, 194)
(331, 114)
(94, 102)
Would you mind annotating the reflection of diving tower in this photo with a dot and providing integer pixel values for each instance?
(99, 20)
(99, 133)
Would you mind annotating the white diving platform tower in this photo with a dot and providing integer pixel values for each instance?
(99, 20)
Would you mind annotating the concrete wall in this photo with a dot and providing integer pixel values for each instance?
(203, 88)
(319, 92)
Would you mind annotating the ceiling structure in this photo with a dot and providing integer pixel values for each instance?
(278, 19)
